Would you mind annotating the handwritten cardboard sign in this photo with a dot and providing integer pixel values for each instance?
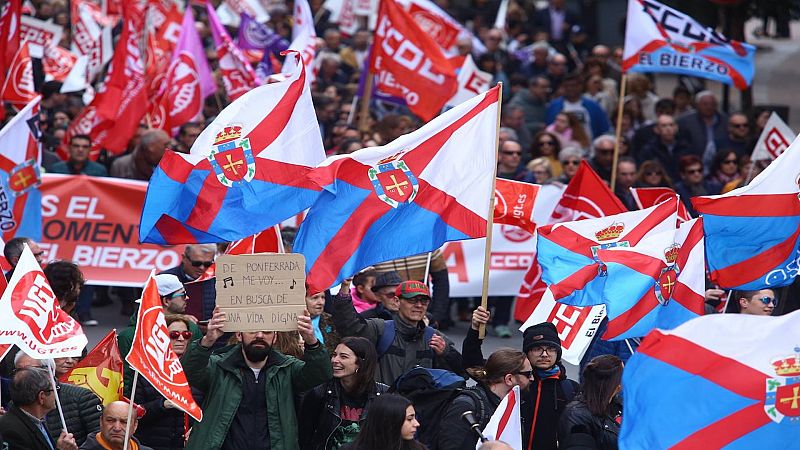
(263, 292)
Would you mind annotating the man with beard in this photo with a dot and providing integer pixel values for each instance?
(549, 391)
(250, 387)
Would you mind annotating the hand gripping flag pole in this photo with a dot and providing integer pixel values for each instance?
(489, 219)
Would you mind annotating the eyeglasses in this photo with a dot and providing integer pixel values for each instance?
(47, 391)
(729, 161)
(543, 349)
(199, 263)
(525, 373)
(511, 153)
(421, 299)
(176, 334)
(740, 125)
(693, 171)
(570, 163)
(177, 295)
(768, 300)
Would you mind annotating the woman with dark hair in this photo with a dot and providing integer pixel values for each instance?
(596, 411)
(164, 426)
(548, 145)
(504, 369)
(652, 174)
(333, 413)
(66, 280)
(725, 167)
(391, 425)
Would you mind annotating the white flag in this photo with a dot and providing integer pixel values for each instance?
(471, 82)
(505, 424)
(775, 138)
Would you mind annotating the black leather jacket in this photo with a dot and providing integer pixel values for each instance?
(578, 420)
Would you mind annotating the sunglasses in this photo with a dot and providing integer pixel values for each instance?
(740, 125)
(176, 295)
(571, 163)
(200, 263)
(421, 299)
(176, 334)
(511, 153)
(768, 300)
(729, 161)
(693, 171)
(525, 373)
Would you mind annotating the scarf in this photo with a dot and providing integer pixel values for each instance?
(133, 445)
(554, 372)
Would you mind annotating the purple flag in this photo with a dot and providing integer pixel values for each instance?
(257, 36)
(190, 44)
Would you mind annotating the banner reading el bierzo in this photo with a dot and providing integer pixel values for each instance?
(93, 222)
(262, 292)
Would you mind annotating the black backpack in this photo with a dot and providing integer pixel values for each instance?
(432, 391)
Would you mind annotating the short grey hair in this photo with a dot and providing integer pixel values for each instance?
(604, 138)
(705, 93)
(49, 362)
(203, 248)
(512, 134)
(27, 384)
(570, 152)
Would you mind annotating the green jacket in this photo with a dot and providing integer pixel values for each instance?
(125, 342)
(215, 375)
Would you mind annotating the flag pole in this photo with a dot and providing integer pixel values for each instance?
(130, 410)
(487, 255)
(620, 105)
(363, 122)
(58, 400)
(427, 268)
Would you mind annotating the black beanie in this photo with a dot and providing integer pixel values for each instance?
(544, 333)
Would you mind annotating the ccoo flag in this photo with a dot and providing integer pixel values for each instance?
(407, 197)
(245, 173)
(727, 380)
(753, 232)
(662, 39)
(658, 283)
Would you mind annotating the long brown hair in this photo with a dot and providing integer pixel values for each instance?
(502, 362)
(601, 377)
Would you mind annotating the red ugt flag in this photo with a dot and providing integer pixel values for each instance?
(18, 88)
(151, 354)
(409, 64)
(514, 202)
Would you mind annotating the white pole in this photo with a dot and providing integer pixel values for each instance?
(727, 300)
(130, 410)
(58, 400)
(629, 346)
(427, 269)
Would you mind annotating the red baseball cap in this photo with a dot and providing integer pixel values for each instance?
(411, 289)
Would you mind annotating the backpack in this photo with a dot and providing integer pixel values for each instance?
(432, 391)
(389, 333)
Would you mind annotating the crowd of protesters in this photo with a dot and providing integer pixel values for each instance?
(334, 383)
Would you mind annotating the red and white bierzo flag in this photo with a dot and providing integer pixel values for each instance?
(151, 354)
(409, 64)
(505, 424)
(32, 317)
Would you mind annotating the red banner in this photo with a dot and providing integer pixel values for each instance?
(94, 222)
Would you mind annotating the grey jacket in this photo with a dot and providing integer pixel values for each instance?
(408, 349)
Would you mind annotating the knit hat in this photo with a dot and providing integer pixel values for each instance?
(544, 333)
(386, 279)
(411, 289)
(167, 284)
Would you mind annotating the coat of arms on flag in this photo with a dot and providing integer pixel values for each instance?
(393, 181)
(783, 392)
(665, 285)
(24, 177)
(231, 157)
(609, 233)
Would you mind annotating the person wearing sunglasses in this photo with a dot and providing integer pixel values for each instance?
(174, 300)
(505, 369)
(404, 342)
(163, 426)
(570, 159)
(196, 260)
(13, 250)
(693, 183)
(757, 303)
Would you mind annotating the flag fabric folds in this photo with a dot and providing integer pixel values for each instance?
(753, 233)
(18, 89)
(404, 198)
(658, 283)
(651, 196)
(237, 74)
(409, 63)
(32, 316)
(100, 370)
(659, 38)
(567, 252)
(514, 202)
(505, 424)
(151, 354)
(20, 175)
(733, 380)
(304, 38)
(258, 36)
(245, 173)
